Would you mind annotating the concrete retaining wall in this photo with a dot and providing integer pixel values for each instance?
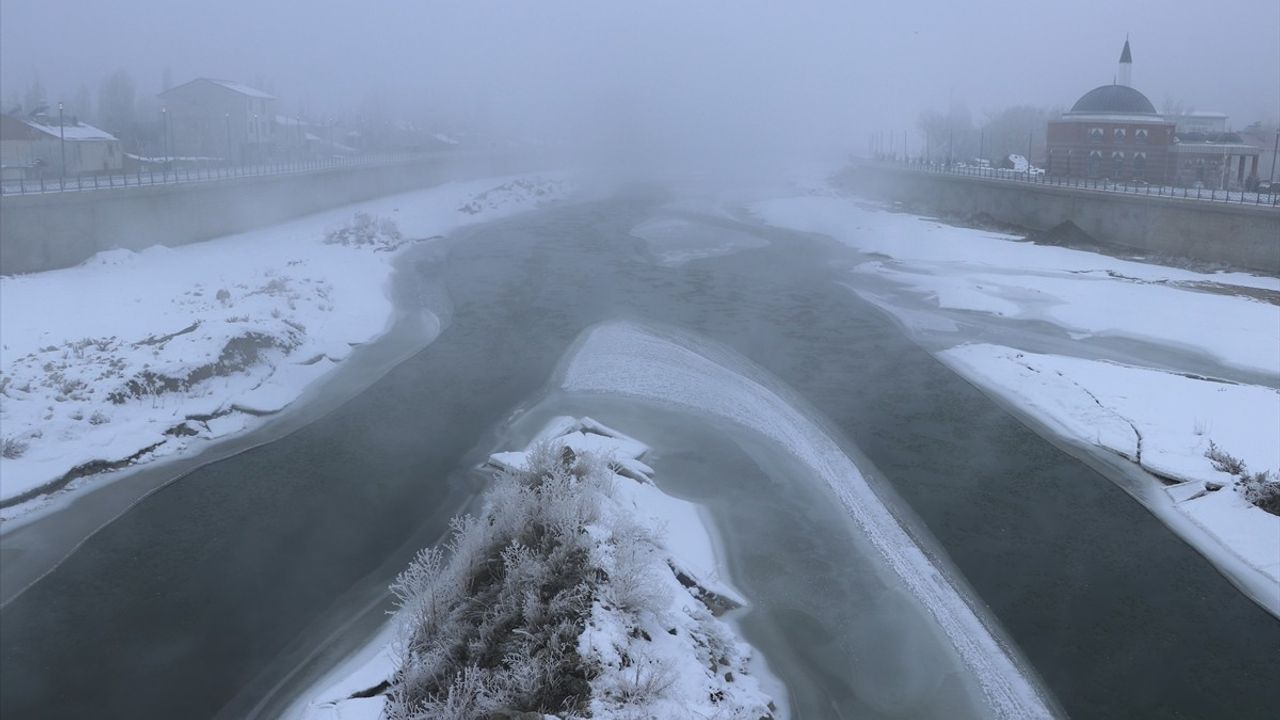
(1241, 236)
(53, 230)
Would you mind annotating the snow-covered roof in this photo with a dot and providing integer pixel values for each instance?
(78, 132)
(242, 88)
(228, 84)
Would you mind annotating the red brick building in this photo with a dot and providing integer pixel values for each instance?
(1113, 131)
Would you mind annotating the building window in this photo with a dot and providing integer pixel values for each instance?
(1117, 164)
(1139, 165)
(1096, 134)
(1140, 136)
(1118, 135)
(1095, 163)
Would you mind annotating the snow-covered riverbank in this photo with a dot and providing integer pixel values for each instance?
(132, 357)
(1149, 362)
(651, 636)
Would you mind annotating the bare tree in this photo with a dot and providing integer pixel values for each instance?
(82, 104)
(1019, 130)
(117, 104)
(34, 101)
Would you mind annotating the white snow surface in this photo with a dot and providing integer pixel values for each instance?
(682, 664)
(629, 360)
(1164, 421)
(1156, 409)
(72, 340)
(1084, 292)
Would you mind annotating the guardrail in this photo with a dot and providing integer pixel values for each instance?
(176, 176)
(1091, 184)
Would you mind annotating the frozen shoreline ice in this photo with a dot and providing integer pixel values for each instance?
(1150, 403)
(131, 357)
(628, 360)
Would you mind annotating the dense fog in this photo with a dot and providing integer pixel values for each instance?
(653, 81)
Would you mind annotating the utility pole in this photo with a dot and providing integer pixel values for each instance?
(62, 147)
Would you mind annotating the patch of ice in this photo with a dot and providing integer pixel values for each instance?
(1088, 294)
(1163, 421)
(99, 361)
(628, 360)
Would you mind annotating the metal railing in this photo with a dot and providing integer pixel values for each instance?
(161, 175)
(1234, 197)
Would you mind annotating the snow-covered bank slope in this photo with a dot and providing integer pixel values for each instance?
(134, 356)
(633, 608)
(630, 361)
(1109, 353)
(1163, 421)
(1086, 293)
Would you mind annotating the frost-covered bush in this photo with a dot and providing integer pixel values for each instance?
(1224, 461)
(560, 601)
(364, 229)
(1261, 489)
(490, 625)
(12, 448)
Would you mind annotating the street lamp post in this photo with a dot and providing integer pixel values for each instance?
(168, 150)
(62, 148)
(1275, 155)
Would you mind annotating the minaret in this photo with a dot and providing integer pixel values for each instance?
(1126, 65)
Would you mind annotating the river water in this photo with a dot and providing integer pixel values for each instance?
(203, 598)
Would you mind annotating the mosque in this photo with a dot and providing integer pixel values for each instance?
(1114, 132)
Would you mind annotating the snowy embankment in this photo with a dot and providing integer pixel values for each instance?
(134, 356)
(1146, 361)
(600, 595)
(1163, 421)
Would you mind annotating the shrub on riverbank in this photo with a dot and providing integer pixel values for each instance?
(555, 600)
(1259, 488)
(492, 625)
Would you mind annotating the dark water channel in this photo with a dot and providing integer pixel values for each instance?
(197, 598)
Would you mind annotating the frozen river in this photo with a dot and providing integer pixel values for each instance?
(204, 599)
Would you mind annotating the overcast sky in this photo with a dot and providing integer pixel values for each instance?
(686, 71)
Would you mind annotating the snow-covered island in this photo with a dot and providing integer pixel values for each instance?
(580, 590)
(1172, 369)
(134, 356)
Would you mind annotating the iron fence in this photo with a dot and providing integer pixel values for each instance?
(1234, 197)
(162, 175)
